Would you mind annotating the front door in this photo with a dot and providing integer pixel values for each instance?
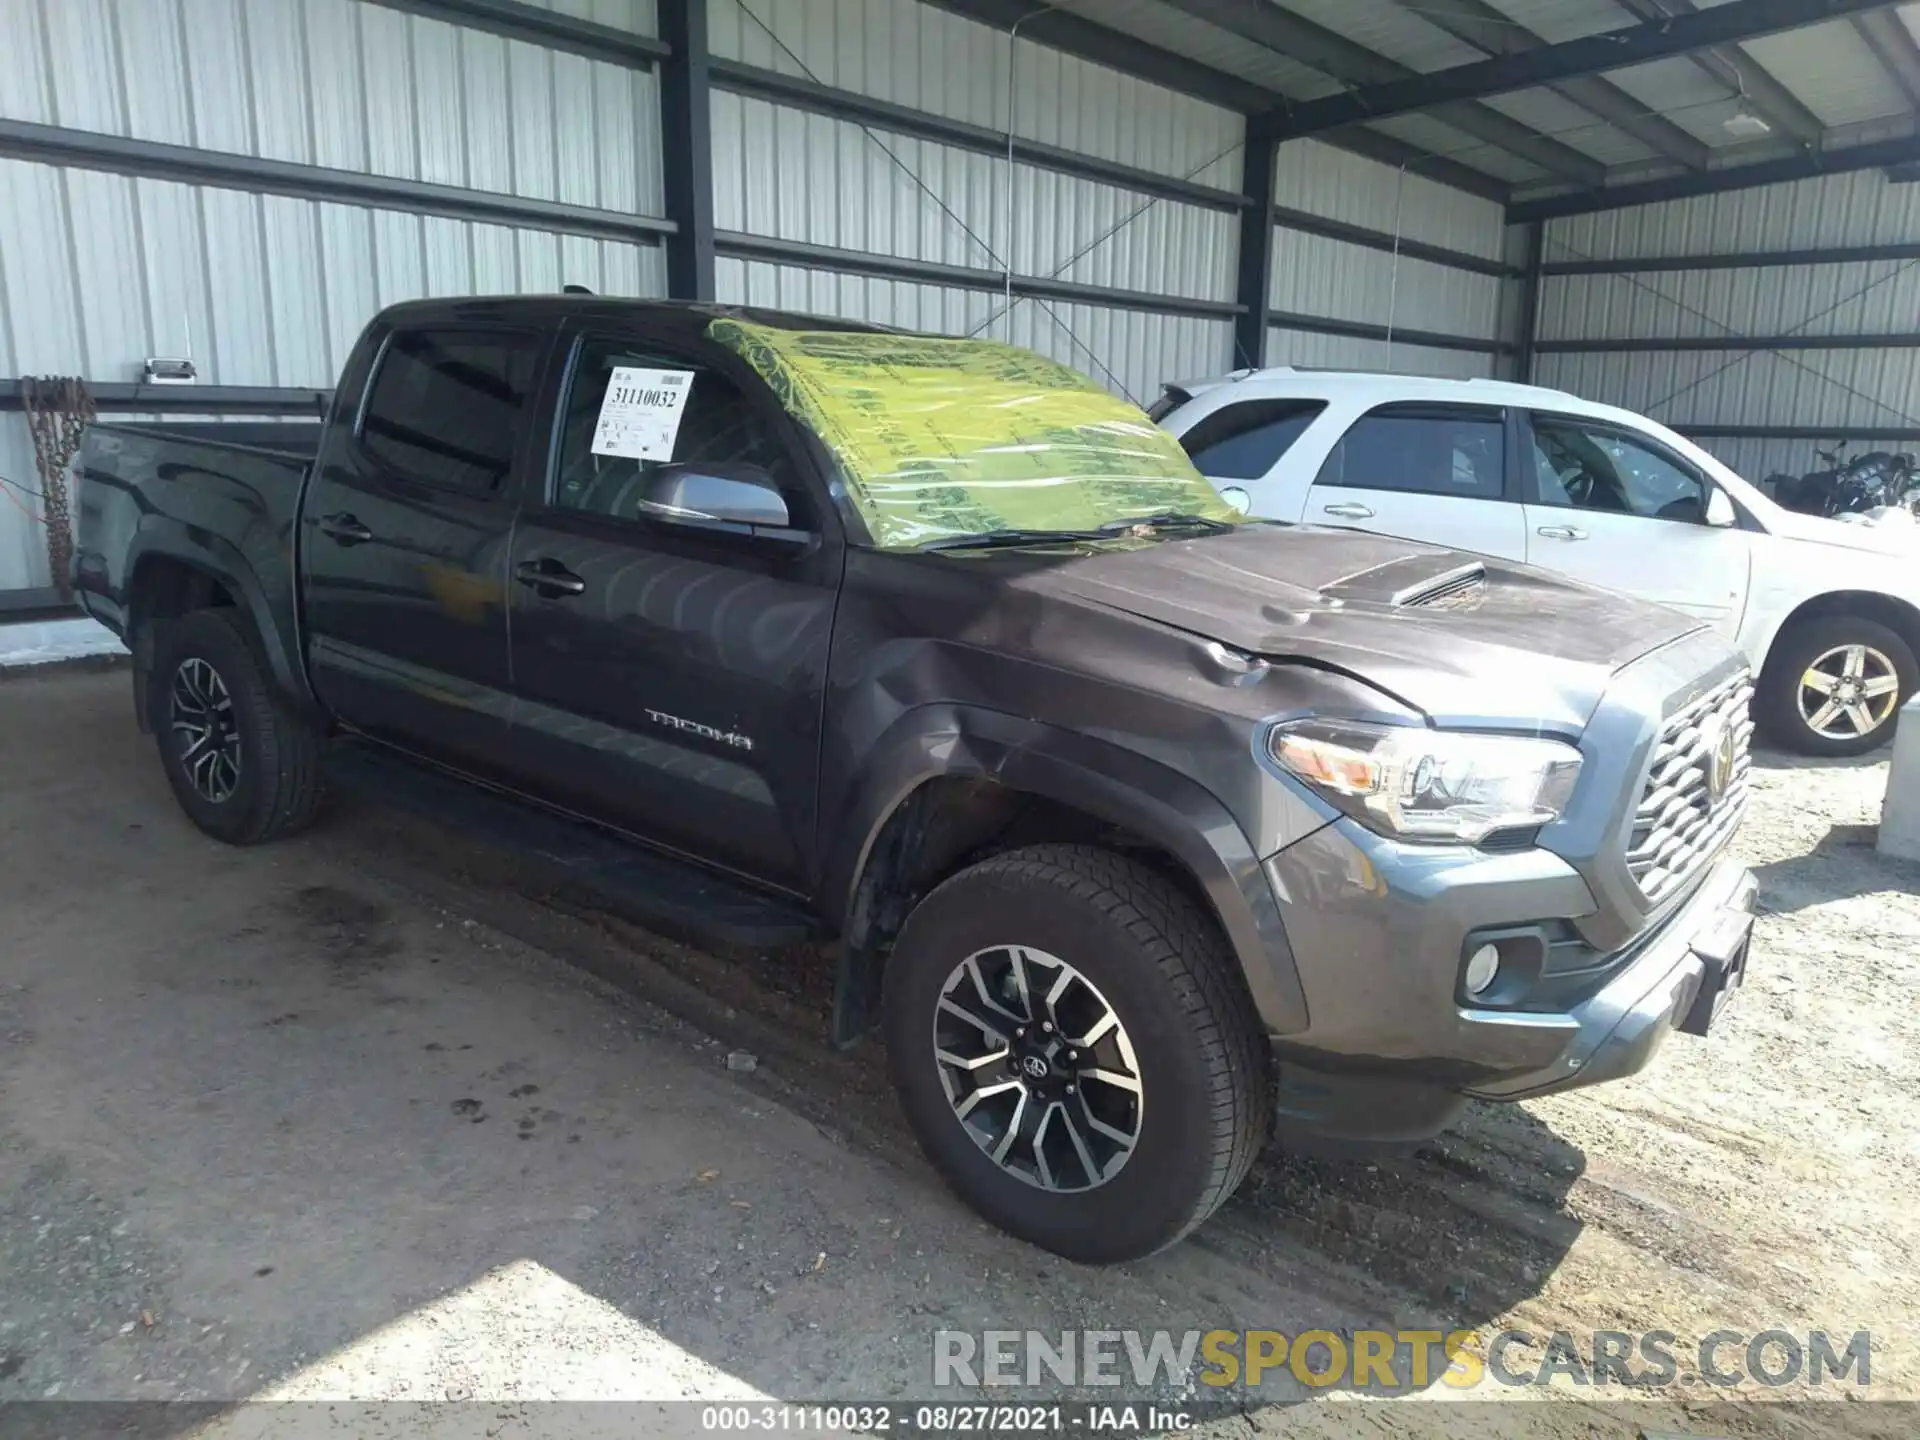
(404, 543)
(1615, 508)
(668, 673)
(1423, 472)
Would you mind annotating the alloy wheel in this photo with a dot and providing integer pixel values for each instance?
(1038, 1068)
(1848, 691)
(200, 712)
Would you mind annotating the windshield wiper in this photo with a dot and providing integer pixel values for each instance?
(1003, 539)
(1111, 530)
(1167, 520)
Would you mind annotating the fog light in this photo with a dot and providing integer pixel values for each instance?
(1483, 967)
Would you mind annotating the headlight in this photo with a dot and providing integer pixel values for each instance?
(1429, 784)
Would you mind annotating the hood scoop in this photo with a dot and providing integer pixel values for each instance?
(1416, 582)
(1460, 589)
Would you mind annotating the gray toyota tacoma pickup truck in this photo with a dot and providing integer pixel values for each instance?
(1144, 832)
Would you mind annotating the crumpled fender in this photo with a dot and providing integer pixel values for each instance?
(1104, 780)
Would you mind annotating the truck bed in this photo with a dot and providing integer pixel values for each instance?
(221, 497)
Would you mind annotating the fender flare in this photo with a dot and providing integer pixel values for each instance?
(222, 560)
(1115, 785)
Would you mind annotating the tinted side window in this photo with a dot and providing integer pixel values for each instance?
(1592, 467)
(446, 407)
(1427, 449)
(718, 425)
(1245, 441)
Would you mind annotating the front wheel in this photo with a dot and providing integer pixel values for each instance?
(1076, 1051)
(1834, 685)
(242, 764)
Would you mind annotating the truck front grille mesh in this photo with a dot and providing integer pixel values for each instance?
(1682, 822)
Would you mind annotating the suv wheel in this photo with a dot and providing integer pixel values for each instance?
(1076, 1051)
(1834, 685)
(243, 766)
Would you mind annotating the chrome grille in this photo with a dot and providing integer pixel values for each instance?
(1680, 824)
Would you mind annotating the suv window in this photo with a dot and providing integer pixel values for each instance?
(1246, 440)
(1594, 467)
(719, 424)
(1451, 450)
(446, 407)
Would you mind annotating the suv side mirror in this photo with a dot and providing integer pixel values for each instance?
(734, 494)
(1720, 512)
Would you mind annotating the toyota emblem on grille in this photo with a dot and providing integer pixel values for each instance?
(1721, 754)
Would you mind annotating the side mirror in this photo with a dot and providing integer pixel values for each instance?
(726, 493)
(1720, 512)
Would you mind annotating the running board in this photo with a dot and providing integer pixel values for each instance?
(666, 895)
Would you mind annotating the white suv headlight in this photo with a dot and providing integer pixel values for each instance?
(1419, 784)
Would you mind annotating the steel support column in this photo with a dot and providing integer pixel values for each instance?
(1253, 286)
(1529, 319)
(686, 141)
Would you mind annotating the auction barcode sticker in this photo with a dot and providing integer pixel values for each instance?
(640, 415)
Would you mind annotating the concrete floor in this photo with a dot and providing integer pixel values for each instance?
(260, 1108)
(372, 1115)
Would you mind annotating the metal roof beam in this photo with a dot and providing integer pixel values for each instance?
(1741, 74)
(517, 20)
(1590, 55)
(1893, 46)
(1333, 54)
(1807, 166)
(1478, 24)
(1374, 145)
(1089, 40)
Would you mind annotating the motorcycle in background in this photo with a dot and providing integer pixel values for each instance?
(1877, 480)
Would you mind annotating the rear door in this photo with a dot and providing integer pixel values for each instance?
(404, 542)
(669, 673)
(1613, 507)
(1424, 472)
(1239, 448)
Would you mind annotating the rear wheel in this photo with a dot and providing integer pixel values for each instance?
(1833, 685)
(1076, 1051)
(242, 764)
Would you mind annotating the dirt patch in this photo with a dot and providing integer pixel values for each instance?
(1750, 1181)
(355, 935)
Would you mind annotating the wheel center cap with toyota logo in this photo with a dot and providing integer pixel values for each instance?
(1036, 1067)
(1721, 754)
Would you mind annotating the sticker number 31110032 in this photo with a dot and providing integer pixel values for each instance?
(640, 413)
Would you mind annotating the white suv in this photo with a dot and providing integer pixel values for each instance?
(1828, 612)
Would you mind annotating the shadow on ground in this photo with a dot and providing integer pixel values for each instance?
(327, 1114)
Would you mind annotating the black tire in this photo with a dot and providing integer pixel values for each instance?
(1169, 977)
(276, 790)
(1778, 695)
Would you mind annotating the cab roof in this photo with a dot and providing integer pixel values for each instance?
(684, 319)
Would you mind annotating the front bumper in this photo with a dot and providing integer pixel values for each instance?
(1379, 932)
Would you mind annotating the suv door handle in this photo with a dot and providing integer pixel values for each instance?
(1347, 510)
(344, 529)
(1562, 532)
(549, 578)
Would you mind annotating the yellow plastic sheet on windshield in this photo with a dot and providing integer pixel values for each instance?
(943, 437)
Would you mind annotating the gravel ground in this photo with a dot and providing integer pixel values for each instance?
(379, 1114)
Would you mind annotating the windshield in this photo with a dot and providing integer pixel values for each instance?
(940, 438)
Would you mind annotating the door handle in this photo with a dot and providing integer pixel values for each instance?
(1561, 532)
(1347, 510)
(549, 578)
(344, 529)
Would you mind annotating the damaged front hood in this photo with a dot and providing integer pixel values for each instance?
(1465, 639)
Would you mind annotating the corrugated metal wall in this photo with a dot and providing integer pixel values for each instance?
(99, 271)
(1321, 276)
(783, 173)
(1834, 390)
